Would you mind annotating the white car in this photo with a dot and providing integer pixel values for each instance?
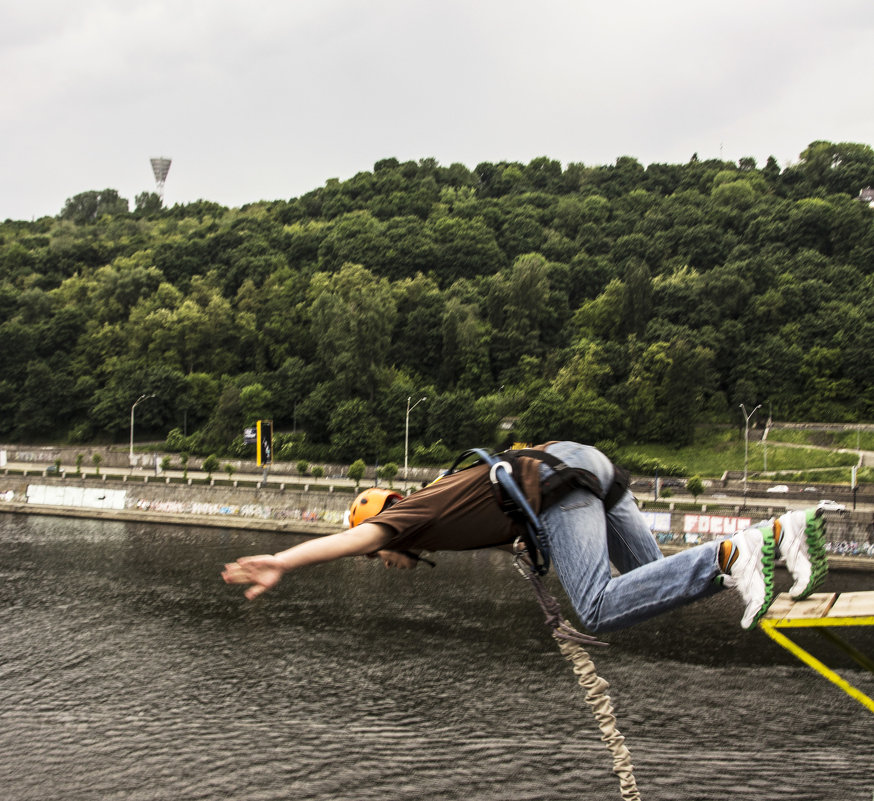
(778, 488)
(831, 506)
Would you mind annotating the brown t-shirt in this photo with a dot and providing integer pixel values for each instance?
(459, 512)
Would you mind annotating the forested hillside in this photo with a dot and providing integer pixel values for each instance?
(620, 302)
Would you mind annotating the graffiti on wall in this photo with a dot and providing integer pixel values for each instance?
(238, 510)
(717, 525)
(88, 497)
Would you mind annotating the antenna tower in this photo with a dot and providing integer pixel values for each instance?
(160, 166)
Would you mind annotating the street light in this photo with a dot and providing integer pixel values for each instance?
(747, 443)
(407, 433)
(140, 398)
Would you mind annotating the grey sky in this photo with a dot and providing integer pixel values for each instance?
(267, 99)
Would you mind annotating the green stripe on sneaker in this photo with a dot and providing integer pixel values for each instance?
(768, 552)
(814, 532)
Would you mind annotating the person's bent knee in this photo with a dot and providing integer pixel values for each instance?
(592, 620)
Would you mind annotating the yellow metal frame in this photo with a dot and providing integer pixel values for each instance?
(822, 612)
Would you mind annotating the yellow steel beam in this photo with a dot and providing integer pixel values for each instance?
(770, 626)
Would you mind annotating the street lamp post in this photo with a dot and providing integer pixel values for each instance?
(140, 398)
(747, 418)
(407, 433)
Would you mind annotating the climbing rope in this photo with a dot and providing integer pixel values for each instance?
(570, 643)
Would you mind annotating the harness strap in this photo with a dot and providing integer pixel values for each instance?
(513, 503)
(564, 479)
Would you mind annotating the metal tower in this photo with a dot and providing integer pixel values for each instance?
(160, 166)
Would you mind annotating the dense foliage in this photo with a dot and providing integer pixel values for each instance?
(616, 302)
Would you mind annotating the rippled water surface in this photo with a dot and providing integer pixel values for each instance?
(129, 671)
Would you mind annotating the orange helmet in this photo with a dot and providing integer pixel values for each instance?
(371, 502)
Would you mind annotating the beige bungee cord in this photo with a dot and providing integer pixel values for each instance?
(570, 643)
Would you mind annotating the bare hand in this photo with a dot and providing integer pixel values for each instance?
(261, 572)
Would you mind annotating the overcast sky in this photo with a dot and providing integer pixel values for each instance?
(267, 99)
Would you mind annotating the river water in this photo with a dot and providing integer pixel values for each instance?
(128, 670)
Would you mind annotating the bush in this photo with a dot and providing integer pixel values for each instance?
(387, 472)
(288, 447)
(210, 465)
(80, 433)
(356, 471)
(178, 443)
(695, 486)
(649, 466)
(435, 454)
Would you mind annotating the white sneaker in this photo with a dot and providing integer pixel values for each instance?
(750, 570)
(800, 537)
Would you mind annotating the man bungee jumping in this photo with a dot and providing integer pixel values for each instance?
(572, 508)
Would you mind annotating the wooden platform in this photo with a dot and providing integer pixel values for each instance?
(823, 609)
(823, 612)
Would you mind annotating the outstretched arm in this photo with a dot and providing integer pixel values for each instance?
(264, 571)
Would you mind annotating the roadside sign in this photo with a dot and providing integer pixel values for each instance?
(265, 442)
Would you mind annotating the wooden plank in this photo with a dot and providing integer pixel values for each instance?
(781, 607)
(816, 606)
(853, 604)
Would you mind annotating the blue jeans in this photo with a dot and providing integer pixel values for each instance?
(584, 541)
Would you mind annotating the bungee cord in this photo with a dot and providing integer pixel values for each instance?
(570, 643)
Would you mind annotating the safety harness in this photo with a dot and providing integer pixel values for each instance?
(560, 482)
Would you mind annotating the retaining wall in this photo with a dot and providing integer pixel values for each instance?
(270, 507)
(307, 511)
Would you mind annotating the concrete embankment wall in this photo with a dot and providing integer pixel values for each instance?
(302, 509)
(271, 507)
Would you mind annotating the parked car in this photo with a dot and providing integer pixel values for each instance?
(831, 506)
(778, 488)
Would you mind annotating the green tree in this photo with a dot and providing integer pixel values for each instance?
(356, 472)
(519, 307)
(387, 472)
(357, 237)
(227, 420)
(452, 418)
(355, 429)
(353, 312)
(146, 203)
(417, 337)
(695, 486)
(637, 306)
(464, 249)
(210, 465)
(466, 342)
(665, 390)
(88, 207)
(255, 402)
